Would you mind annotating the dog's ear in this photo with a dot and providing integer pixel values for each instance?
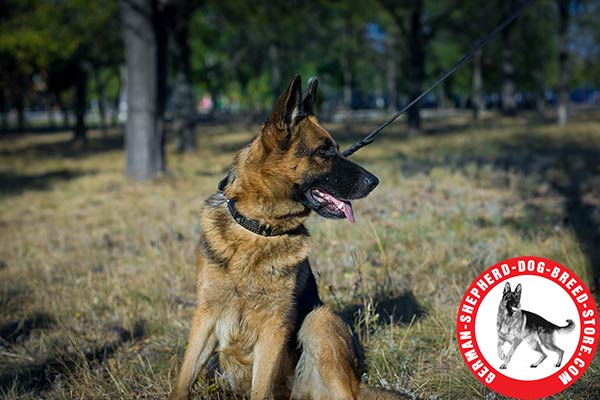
(506, 288)
(518, 292)
(287, 111)
(310, 97)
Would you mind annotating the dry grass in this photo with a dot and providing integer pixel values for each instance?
(97, 274)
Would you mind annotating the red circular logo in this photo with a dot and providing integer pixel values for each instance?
(527, 327)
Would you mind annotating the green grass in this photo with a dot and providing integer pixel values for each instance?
(97, 271)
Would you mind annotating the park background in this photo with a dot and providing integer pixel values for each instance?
(119, 117)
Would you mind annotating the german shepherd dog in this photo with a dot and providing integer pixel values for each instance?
(515, 325)
(258, 308)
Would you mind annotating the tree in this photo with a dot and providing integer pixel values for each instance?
(563, 61)
(509, 106)
(477, 86)
(534, 63)
(144, 138)
(392, 71)
(184, 110)
(18, 60)
(44, 38)
(15, 83)
(417, 27)
(469, 23)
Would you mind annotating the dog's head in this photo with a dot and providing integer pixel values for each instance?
(320, 178)
(511, 300)
(299, 163)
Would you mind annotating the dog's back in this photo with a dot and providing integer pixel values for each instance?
(538, 324)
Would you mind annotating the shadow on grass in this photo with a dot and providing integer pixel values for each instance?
(567, 168)
(570, 169)
(12, 184)
(12, 332)
(403, 308)
(67, 148)
(39, 376)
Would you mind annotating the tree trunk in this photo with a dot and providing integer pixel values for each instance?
(143, 138)
(509, 106)
(3, 112)
(214, 107)
(101, 93)
(563, 61)
(540, 94)
(477, 86)
(392, 73)
(184, 110)
(347, 85)
(80, 104)
(121, 96)
(161, 17)
(416, 64)
(63, 110)
(20, 106)
(49, 107)
(275, 71)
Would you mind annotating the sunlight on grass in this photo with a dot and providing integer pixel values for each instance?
(111, 262)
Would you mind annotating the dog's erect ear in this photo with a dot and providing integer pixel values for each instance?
(506, 288)
(288, 106)
(287, 111)
(518, 292)
(310, 97)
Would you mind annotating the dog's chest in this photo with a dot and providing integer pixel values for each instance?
(511, 326)
(249, 306)
(249, 310)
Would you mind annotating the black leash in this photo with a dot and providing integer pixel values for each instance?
(369, 138)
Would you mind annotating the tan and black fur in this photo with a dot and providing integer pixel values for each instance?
(516, 325)
(258, 307)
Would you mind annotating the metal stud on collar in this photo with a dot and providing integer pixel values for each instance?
(252, 225)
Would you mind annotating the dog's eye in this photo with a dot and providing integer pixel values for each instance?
(325, 151)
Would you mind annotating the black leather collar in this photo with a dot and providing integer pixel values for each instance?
(252, 225)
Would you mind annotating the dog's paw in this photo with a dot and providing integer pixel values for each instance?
(557, 364)
(503, 366)
(533, 365)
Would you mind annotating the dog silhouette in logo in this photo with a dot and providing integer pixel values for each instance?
(515, 325)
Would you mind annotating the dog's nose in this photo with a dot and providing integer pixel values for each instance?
(371, 182)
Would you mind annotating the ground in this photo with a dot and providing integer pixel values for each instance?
(97, 272)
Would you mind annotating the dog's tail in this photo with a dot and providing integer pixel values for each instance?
(567, 328)
(376, 393)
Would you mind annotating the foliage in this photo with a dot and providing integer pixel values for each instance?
(53, 40)
(249, 50)
(40, 32)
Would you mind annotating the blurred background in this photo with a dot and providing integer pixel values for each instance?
(118, 117)
(75, 64)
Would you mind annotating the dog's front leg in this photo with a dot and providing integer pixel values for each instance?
(513, 347)
(268, 360)
(201, 345)
(501, 342)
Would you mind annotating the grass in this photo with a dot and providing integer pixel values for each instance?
(97, 272)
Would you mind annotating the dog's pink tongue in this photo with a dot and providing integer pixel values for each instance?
(348, 212)
(345, 207)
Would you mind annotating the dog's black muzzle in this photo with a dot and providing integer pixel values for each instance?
(329, 194)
